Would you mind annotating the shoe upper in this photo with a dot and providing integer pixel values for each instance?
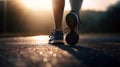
(56, 35)
(77, 15)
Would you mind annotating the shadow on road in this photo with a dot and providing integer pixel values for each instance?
(89, 56)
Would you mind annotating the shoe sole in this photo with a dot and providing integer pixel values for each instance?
(56, 42)
(72, 37)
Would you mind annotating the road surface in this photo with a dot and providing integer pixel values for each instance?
(33, 51)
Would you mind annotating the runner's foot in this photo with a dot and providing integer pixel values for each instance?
(56, 38)
(73, 21)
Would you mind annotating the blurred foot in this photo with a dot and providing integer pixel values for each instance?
(56, 37)
(73, 22)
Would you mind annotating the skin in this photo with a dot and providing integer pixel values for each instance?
(58, 9)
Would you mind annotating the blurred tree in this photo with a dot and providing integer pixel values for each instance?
(14, 22)
(111, 21)
(91, 21)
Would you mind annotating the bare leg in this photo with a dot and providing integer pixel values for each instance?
(76, 5)
(58, 8)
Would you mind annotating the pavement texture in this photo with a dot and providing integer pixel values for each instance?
(33, 51)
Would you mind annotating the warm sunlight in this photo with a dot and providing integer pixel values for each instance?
(98, 5)
(36, 4)
(40, 39)
(47, 4)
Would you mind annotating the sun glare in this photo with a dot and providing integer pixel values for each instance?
(40, 39)
(36, 4)
(47, 4)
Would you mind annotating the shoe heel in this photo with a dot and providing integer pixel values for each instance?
(72, 21)
(72, 38)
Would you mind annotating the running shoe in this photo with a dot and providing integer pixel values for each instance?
(73, 23)
(56, 37)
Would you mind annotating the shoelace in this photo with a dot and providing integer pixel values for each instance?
(52, 33)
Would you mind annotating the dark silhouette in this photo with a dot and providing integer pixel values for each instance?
(1, 17)
(110, 23)
(14, 22)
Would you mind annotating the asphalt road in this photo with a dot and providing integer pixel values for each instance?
(33, 51)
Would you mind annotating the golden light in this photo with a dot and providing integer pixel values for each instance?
(36, 4)
(88, 4)
(40, 39)
(98, 5)
(47, 4)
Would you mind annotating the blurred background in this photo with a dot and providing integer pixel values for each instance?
(36, 17)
